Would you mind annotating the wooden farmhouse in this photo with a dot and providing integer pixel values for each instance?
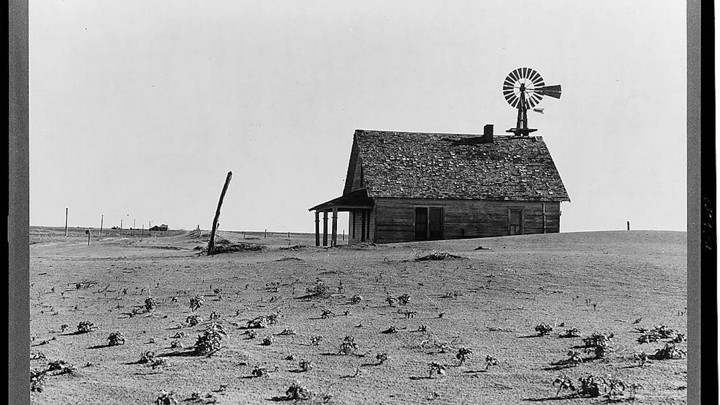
(405, 186)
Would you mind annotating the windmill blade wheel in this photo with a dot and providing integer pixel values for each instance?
(526, 83)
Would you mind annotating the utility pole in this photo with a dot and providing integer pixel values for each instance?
(66, 221)
(101, 223)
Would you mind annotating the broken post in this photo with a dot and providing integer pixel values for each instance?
(211, 243)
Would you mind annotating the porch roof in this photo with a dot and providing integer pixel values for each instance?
(355, 200)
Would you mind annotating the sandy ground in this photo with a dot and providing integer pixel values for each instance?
(488, 300)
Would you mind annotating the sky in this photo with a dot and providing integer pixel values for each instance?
(138, 109)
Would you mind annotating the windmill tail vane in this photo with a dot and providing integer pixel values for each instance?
(523, 89)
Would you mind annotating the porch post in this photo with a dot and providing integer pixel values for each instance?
(317, 228)
(334, 227)
(325, 230)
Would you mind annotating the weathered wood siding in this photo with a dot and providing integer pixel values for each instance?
(462, 218)
(355, 226)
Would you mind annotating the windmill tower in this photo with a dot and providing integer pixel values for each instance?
(523, 89)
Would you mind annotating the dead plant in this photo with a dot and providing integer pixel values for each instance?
(563, 383)
(404, 299)
(210, 341)
(86, 326)
(543, 329)
(435, 368)
(166, 398)
(463, 354)
(193, 320)
(37, 380)
(348, 346)
(356, 299)
(601, 344)
(315, 340)
(297, 392)
(381, 358)
(150, 304)
(258, 371)
(306, 365)
(267, 340)
(490, 361)
(116, 338)
(147, 357)
(669, 352)
(570, 333)
(196, 302)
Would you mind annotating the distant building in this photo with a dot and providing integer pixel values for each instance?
(406, 186)
(162, 227)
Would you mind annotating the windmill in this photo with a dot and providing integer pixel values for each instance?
(523, 89)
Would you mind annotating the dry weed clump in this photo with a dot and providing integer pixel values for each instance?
(490, 361)
(600, 343)
(210, 341)
(348, 346)
(436, 368)
(319, 289)
(570, 333)
(543, 329)
(268, 340)
(150, 304)
(463, 354)
(116, 338)
(37, 380)
(315, 340)
(404, 299)
(356, 299)
(326, 313)
(263, 321)
(563, 383)
(381, 358)
(591, 386)
(436, 256)
(147, 357)
(297, 392)
(669, 352)
(642, 358)
(258, 371)
(86, 327)
(288, 332)
(305, 365)
(196, 302)
(166, 398)
(193, 320)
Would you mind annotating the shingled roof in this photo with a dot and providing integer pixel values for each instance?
(455, 166)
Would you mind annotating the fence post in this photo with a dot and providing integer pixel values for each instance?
(211, 243)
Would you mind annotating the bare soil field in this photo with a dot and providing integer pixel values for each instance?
(449, 322)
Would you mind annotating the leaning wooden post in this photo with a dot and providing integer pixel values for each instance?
(211, 243)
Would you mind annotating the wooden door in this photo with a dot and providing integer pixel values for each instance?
(421, 221)
(435, 223)
(515, 222)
